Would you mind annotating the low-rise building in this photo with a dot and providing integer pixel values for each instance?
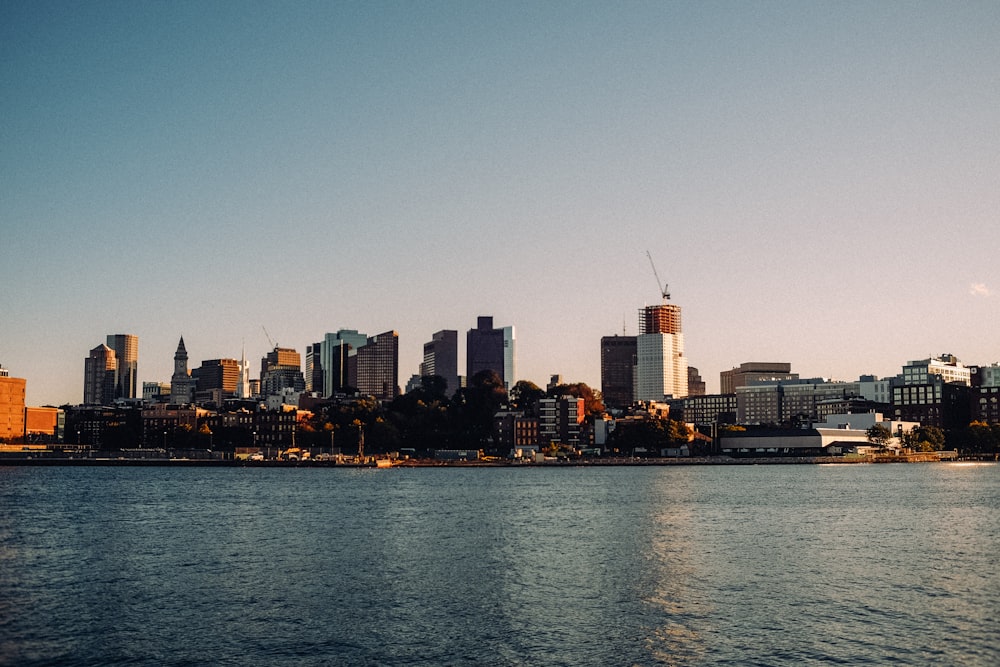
(12, 392)
(779, 442)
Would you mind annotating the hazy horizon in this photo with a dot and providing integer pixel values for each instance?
(818, 183)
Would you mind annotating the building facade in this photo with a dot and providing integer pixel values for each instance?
(378, 366)
(218, 379)
(755, 372)
(12, 393)
(935, 392)
(791, 402)
(99, 374)
(281, 369)
(560, 420)
(618, 360)
(126, 347)
(488, 348)
(985, 393)
(314, 367)
(338, 353)
(182, 385)
(661, 367)
(155, 392)
(43, 424)
(441, 359)
(709, 409)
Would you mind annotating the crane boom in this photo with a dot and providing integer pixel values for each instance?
(664, 292)
(273, 344)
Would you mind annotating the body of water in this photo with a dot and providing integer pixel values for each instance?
(680, 565)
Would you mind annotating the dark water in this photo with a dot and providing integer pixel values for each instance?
(767, 565)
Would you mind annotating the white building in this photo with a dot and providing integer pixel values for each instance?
(947, 367)
(875, 390)
(661, 367)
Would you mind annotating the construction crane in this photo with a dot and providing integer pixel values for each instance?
(664, 292)
(273, 344)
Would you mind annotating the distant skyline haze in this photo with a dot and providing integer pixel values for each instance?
(817, 183)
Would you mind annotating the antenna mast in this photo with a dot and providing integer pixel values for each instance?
(664, 292)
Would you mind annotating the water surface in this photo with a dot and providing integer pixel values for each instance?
(700, 565)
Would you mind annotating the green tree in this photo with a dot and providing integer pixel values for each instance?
(678, 433)
(524, 395)
(929, 438)
(642, 434)
(421, 416)
(434, 387)
(473, 407)
(593, 403)
(879, 436)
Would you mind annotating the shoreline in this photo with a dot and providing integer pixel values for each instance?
(934, 457)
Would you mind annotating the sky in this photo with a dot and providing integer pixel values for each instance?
(818, 183)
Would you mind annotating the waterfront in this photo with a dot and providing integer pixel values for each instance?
(679, 565)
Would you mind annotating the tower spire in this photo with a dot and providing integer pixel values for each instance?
(243, 388)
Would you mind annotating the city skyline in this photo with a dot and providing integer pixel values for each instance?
(817, 184)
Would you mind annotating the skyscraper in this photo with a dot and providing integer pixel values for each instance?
(618, 359)
(314, 367)
(491, 349)
(378, 366)
(441, 359)
(126, 347)
(337, 350)
(661, 367)
(281, 369)
(99, 374)
(219, 377)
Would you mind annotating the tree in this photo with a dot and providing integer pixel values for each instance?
(525, 395)
(420, 417)
(593, 403)
(473, 407)
(880, 436)
(434, 387)
(651, 435)
(979, 438)
(678, 433)
(929, 438)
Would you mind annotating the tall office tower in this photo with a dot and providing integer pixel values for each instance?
(281, 369)
(441, 359)
(182, 385)
(314, 367)
(378, 366)
(661, 367)
(99, 372)
(126, 347)
(218, 375)
(618, 359)
(490, 349)
(336, 354)
(755, 372)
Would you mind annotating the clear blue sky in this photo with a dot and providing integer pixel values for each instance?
(818, 182)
